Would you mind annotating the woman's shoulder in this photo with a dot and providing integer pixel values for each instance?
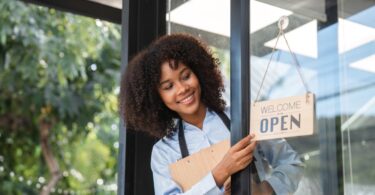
(166, 149)
(166, 143)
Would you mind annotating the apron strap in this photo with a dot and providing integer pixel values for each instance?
(182, 140)
(181, 134)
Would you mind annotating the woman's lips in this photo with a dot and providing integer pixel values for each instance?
(188, 100)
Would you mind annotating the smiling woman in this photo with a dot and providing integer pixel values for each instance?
(173, 90)
(158, 82)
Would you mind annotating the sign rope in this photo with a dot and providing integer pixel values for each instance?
(282, 24)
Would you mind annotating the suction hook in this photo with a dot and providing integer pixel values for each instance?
(283, 22)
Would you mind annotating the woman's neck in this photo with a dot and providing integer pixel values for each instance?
(197, 118)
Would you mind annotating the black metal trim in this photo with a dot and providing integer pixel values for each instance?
(83, 7)
(143, 21)
(122, 138)
(240, 85)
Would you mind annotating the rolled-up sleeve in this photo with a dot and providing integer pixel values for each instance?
(164, 185)
(287, 166)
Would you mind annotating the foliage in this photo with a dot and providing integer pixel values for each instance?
(63, 69)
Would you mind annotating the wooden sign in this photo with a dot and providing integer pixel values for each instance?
(190, 170)
(286, 117)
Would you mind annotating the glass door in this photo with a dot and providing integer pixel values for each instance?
(334, 44)
(333, 41)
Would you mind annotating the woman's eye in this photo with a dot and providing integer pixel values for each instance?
(186, 76)
(167, 86)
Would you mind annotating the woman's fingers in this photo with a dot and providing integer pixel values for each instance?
(248, 149)
(238, 157)
(227, 185)
(241, 161)
(243, 143)
(246, 160)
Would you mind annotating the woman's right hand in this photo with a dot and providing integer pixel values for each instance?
(237, 158)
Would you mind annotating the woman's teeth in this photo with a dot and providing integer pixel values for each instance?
(187, 100)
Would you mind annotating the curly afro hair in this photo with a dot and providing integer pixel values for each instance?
(140, 104)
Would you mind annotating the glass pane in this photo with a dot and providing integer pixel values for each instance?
(210, 23)
(357, 71)
(336, 55)
(306, 38)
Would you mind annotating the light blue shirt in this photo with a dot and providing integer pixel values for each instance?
(284, 175)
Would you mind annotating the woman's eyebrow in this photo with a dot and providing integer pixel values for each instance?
(165, 81)
(183, 70)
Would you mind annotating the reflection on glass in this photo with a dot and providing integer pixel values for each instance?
(357, 59)
(337, 61)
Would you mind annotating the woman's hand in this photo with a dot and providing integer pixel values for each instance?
(237, 158)
(227, 187)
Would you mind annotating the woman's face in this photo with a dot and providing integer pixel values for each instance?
(180, 90)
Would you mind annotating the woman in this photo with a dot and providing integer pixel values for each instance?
(173, 90)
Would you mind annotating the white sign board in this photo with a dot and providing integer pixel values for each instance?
(281, 118)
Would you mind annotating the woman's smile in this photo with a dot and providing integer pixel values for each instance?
(187, 100)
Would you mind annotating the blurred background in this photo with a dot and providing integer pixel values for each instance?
(59, 81)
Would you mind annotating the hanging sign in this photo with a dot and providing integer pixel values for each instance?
(286, 117)
(281, 118)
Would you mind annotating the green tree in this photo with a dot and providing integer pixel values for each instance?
(58, 99)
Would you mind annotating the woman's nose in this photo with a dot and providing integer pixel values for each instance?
(182, 88)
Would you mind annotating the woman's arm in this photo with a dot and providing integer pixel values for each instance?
(238, 157)
(287, 167)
